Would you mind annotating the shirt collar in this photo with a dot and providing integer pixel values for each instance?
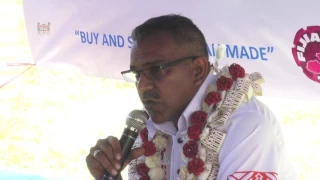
(183, 122)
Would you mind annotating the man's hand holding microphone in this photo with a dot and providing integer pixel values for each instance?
(109, 156)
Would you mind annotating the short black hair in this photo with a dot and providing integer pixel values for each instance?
(184, 31)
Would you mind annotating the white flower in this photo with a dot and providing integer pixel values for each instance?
(159, 133)
(204, 133)
(205, 107)
(160, 142)
(211, 88)
(191, 177)
(251, 92)
(225, 72)
(183, 173)
(212, 116)
(220, 51)
(153, 161)
(203, 154)
(156, 173)
(184, 158)
(205, 174)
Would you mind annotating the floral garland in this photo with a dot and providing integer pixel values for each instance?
(192, 150)
(201, 150)
(154, 149)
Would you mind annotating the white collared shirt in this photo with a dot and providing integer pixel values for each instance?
(253, 147)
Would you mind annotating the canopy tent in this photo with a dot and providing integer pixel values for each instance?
(15, 56)
(93, 38)
(279, 39)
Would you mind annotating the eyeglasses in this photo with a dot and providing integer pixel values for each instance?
(152, 73)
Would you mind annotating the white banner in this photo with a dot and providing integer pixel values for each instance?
(279, 39)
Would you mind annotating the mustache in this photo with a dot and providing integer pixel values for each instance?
(149, 95)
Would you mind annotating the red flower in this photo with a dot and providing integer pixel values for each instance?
(149, 148)
(190, 149)
(212, 98)
(224, 83)
(236, 71)
(199, 117)
(142, 169)
(196, 166)
(144, 178)
(194, 132)
(144, 134)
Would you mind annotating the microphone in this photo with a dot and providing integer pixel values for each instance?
(135, 122)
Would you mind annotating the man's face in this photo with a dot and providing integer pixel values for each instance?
(166, 96)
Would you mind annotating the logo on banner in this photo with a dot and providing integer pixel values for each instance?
(306, 51)
(253, 175)
(43, 29)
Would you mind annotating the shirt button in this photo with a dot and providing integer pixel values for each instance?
(180, 140)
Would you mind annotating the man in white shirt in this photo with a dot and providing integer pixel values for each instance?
(240, 137)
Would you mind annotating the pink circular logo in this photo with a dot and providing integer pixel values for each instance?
(306, 51)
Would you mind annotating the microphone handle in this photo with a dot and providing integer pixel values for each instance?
(126, 142)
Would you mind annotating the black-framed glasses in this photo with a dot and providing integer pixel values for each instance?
(152, 73)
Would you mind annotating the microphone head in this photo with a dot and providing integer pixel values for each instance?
(137, 119)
